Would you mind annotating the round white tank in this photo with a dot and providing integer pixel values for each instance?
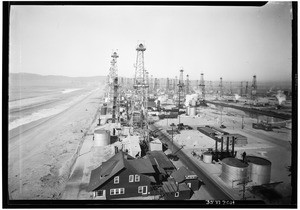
(192, 111)
(259, 170)
(101, 138)
(207, 157)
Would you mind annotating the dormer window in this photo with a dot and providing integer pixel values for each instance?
(137, 178)
(131, 177)
(116, 180)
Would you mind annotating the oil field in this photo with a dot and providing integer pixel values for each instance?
(205, 115)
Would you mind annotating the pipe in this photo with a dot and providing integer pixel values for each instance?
(227, 144)
(232, 152)
(221, 144)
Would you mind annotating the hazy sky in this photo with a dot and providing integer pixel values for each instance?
(230, 42)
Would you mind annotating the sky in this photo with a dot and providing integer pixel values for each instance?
(234, 43)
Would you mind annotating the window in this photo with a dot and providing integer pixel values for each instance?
(140, 189)
(189, 185)
(117, 191)
(137, 178)
(116, 180)
(100, 193)
(131, 178)
(112, 191)
(176, 194)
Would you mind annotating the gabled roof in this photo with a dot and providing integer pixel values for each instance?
(170, 187)
(142, 166)
(104, 172)
(181, 173)
(108, 169)
(159, 158)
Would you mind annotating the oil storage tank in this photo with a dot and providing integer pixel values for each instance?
(207, 157)
(192, 111)
(259, 170)
(234, 171)
(101, 138)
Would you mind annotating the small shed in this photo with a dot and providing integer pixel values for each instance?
(155, 145)
(173, 191)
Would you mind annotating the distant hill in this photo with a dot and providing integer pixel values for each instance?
(25, 79)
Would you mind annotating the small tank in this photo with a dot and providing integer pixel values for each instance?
(207, 157)
(103, 110)
(259, 170)
(101, 138)
(192, 111)
(234, 171)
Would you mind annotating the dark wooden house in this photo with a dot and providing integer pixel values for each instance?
(184, 175)
(175, 191)
(122, 176)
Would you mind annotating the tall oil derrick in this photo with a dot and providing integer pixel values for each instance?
(253, 88)
(113, 73)
(140, 97)
(187, 90)
(175, 85)
(167, 85)
(221, 87)
(151, 85)
(246, 90)
(241, 89)
(180, 89)
(202, 87)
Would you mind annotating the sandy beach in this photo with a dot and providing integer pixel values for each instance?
(41, 157)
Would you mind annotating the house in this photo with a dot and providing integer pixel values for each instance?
(155, 145)
(184, 175)
(160, 160)
(131, 144)
(122, 176)
(173, 191)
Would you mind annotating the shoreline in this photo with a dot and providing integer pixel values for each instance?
(41, 153)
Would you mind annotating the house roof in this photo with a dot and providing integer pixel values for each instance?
(170, 187)
(143, 166)
(114, 165)
(181, 174)
(100, 175)
(159, 158)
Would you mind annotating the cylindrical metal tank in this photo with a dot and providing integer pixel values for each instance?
(207, 157)
(192, 111)
(101, 138)
(234, 171)
(188, 110)
(103, 110)
(259, 170)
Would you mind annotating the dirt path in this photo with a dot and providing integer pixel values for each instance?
(41, 157)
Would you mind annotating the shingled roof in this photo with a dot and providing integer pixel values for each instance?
(181, 173)
(108, 169)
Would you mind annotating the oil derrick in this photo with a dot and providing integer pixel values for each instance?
(202, 87)
(253, 88)
(187, 90)
(241, 89)
(167, 86)
(140, 97)
(175, 85)
(113, 73)
(221, 87)
(246, 90)
(155, 86)
(230, 88)
(115, 100)
(180, 89)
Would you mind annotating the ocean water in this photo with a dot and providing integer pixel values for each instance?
(29, 103)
